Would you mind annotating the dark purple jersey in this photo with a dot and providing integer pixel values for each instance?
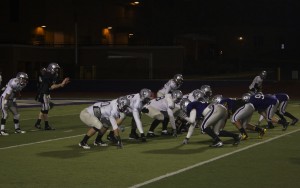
(262, 102)
(282, 97)
(232, 104)
(199, 106)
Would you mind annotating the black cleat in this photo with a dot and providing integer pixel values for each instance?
(294, 121)
(237, 139)
(38, 126)
(285, 126)
(151, 135)
(48, 128)
(133, 136)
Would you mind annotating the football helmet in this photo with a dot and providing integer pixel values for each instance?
(177, 95)
(263, 74)
(198, 94)
(53, 68)
(123, 103)
(184, 103)
(145, 94)
(178, 78)
(246, 97)
(23, 77)
(217, 99)
(207, 91)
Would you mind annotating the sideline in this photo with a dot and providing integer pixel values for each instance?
(208, 161)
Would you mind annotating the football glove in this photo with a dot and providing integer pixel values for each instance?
(185, 141)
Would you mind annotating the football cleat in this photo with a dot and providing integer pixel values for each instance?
(151, 134)
(285, 126)
(245, 136)
(237, 139)
(100, 143)
(262, 133)
(84, 145)
(294, 121)
(19, 131)
(48, 128)
(133, 136)
(38, 126)
(165, 133)
(3, 133)
(217, 144)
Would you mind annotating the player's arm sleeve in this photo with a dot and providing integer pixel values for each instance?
(113, 123)
(172, 119)
(192, 117)
(137, 119)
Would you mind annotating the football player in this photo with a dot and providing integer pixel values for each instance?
(283, 99)
(49, 79)
(137, 101)
(256, 85)
(161, 110)
(172, 85)
(214, 116)
(100, 116)
(8, 101)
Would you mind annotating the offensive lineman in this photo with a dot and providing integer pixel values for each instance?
(100, 116)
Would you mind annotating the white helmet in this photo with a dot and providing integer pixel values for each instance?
(123, 103)
(23, 77)
(53, 68)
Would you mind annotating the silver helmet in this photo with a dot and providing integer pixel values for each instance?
(123, 103)
(177, 95)
(23, 77)
(217, 99)
(53, 68)
(198, 94)
(184, 103)
(263, 74)
(178, 78)
(207, 91)
(246, 97)
(145, 94)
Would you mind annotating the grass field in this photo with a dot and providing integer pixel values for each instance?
(53, 158)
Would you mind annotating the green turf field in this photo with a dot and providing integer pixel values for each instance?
(53, 158)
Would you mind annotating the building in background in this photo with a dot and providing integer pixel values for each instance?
(156, 38)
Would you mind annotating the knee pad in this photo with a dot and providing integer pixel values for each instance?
(95, 129)
(17, 116)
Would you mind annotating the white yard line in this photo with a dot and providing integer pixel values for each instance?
(208, 161)
(44, 141)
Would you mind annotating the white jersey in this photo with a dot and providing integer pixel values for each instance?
(135, 108)
(106, 110)
(12, 87)
(162, 103)
(168, 87)
(257, 80)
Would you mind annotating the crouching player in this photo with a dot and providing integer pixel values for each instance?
(99, 117)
